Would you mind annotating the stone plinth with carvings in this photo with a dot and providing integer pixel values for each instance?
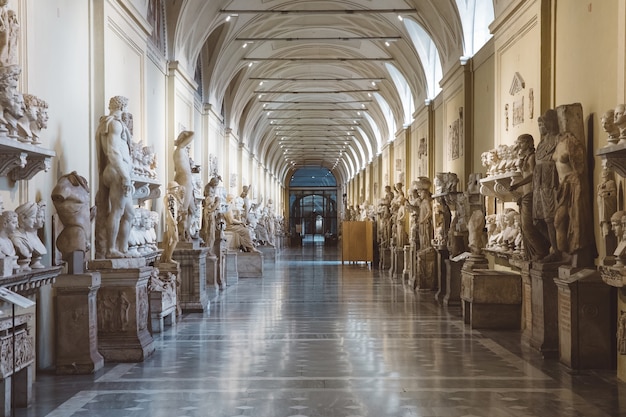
(76, 324)
(192, 294)
(122, 304)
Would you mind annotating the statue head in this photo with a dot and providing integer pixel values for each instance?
(118, 103)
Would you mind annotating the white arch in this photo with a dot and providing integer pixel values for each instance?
(475, 19)
(429, 55)
(404, 91)
(391, 122)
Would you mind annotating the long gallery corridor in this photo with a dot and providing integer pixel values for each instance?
(314, 338)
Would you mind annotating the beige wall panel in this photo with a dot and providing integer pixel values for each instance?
(589, 75)
(483, 102)
(517, 51)
(439, 135)
(454, 133)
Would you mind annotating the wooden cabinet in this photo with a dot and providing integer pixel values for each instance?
(357, 242)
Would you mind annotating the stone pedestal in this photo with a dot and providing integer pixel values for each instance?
(527, 312)
(269, 252)
(76, 324)
(250, 264)
(453, 282)
(408, 271)
(544, 334)
(231, 275)
(384, 261)
(163, 298)
(442, 283)
(586, 337)
(213, 279)
(397, 261)
(491, 299)
(122, 304)
(426, 274)
(192, 294)
(16, 378)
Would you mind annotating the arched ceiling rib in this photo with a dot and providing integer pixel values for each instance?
(320, 63)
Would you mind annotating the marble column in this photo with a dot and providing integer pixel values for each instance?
(77, 324)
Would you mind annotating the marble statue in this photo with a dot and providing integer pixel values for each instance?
(441, 221)
(11, 100)
(384, 220)
(241, 234)
(607, 200)
(535, 244)
(475, 227)
(412, 205)
(425, 226)
(184, 177)
(70, 197)
(270, 222)
(546, 181)
(397, 215)
(608, 125)
(114, 198)
(28, 246)
(173, 201)
(574, 231)
(9, 35)
(210, 206)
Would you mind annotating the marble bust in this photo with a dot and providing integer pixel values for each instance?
(620, 121)
(27, 244)
(608, 125)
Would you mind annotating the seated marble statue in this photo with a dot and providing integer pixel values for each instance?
(241, 234)
(27, 244)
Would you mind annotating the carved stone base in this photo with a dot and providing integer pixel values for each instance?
(76, 324)
(18, 384)
(453, 282)
(384, 261)
(407, 271)
(544, 336)
(192, 296)
(250, 264)
(442, 283)
(586, 337)
(164, 304)
(397, 262)
(8, 265)
(491, 299)
(527, 312)
(269, 252)
(426, 274)
(123, 334)
(213, 280)
(231, 274)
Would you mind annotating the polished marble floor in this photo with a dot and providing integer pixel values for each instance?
(315, 338)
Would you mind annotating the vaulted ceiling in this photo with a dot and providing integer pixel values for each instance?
(322, 83)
